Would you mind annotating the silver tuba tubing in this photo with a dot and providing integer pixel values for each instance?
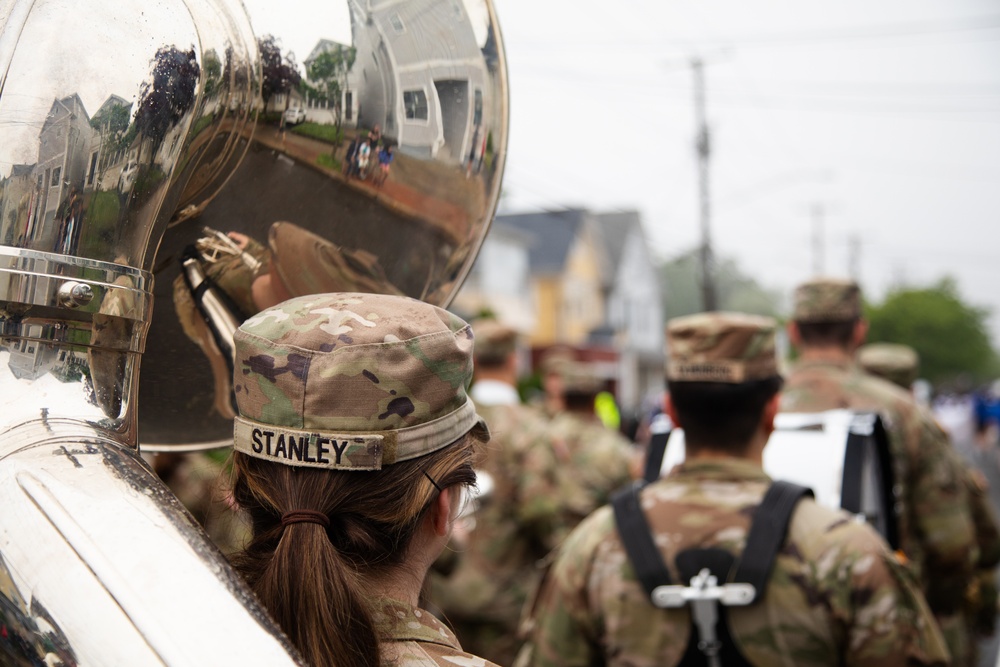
(100, 564)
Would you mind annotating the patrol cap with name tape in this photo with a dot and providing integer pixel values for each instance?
(495, 341)
(351, 381)
(896, 363)
(721, 347)
(827, 300)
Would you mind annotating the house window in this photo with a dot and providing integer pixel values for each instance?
(397, 23)
(415, 102)
(477, 114)
(55, 176)
(40, 181)
(349, 103)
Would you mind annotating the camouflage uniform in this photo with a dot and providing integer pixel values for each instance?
(835, 596)
(414, 638)
(355, 382)
(592, 462)
(899, 364)
(936, 528)
(532, 506)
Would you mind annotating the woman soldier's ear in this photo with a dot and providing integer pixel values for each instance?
(443, 512)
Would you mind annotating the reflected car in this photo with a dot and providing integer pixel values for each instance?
(127, 178)
(294, 116)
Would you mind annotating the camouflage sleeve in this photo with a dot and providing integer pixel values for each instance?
(886, 620)
(563, 630)
(940, 505)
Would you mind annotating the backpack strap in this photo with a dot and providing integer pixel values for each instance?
(767, 534)
(636, 536)
(654, 456)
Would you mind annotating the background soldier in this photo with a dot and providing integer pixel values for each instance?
(593, 460)
(515, 522)
(936, 528)
(899, 364)
(836, 594)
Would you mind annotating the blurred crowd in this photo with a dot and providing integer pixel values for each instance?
(560, 450)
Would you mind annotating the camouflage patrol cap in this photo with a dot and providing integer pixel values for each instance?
(495, 341)
(827, 300)
(898, 364)
(555, 359)
(721, 347)
(352, 381)
(579, 378)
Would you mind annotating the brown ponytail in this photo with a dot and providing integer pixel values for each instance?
(310, 577)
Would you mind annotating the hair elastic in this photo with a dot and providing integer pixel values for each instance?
(305, 516)
(431, 480)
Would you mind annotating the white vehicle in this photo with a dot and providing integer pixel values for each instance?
(294, 116)
(841, 455)
(127, 178)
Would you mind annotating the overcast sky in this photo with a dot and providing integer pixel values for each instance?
(886, 116)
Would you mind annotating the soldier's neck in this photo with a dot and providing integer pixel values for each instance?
(828, 353)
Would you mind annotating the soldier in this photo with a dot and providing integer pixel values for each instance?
(354, 442)
(899, 364)
(593, 461)
(516, 523)
(835, 594)
(937, 535)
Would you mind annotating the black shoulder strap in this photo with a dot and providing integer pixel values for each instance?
(850, 481)
(654, 456)
(767, 534)
(637, 538)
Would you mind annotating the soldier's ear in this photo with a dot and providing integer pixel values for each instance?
(793, 333)
(668, 407)
(860, 332)
(770, 412)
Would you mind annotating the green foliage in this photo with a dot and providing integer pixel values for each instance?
(211, 69)
(328, 74)
(328, 161)
(331, 134)
(680, 284)
(280, 74)
(100, 222)
(950, 336)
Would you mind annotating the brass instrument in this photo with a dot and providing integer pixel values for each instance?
(167, 169)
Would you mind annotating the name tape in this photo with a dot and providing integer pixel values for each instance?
(312, 449)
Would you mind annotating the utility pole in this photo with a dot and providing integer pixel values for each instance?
(818, 242)
(854, 257)
(703, 148)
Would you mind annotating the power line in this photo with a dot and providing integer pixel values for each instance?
(808, 37)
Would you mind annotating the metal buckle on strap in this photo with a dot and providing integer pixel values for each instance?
(704, 595)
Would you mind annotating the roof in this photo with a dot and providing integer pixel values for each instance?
(550, 233)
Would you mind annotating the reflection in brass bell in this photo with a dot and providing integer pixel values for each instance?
(374, 166)
(351, 145)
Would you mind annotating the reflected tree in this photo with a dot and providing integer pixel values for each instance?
(328, 77)
(165, 99)
(280, 74)
(111, 123)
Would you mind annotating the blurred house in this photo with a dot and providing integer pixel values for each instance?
(588, 282)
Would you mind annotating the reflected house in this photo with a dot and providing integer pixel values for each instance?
(64, 148)
(426, 93)
(17, 196)
(30, 359)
